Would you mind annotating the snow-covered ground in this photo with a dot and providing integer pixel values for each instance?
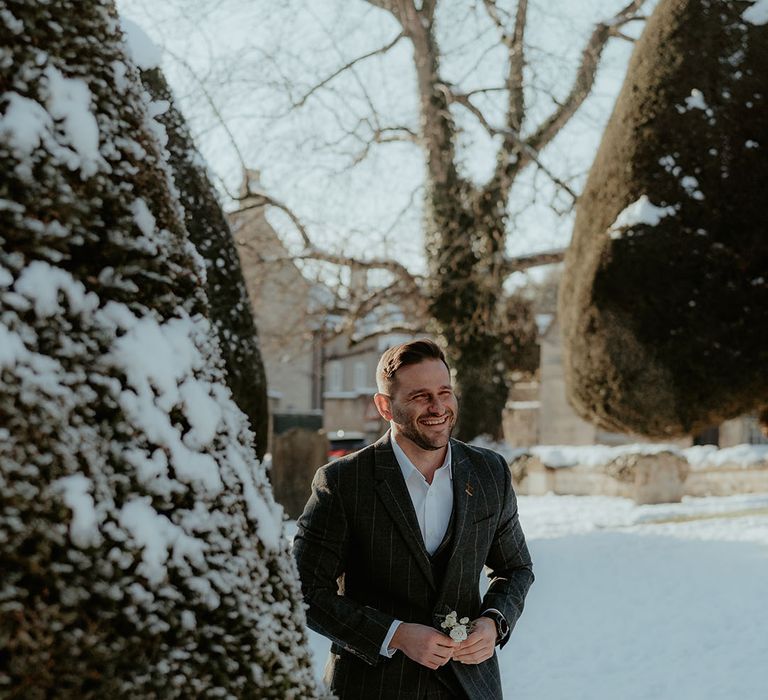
(631, 602)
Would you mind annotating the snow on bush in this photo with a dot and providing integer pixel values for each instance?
(142, 552)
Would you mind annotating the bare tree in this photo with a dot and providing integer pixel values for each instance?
(466, 227)
(465, 223)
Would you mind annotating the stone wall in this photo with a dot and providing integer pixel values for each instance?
(664, 476)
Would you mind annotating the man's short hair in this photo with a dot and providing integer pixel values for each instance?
(410, 353)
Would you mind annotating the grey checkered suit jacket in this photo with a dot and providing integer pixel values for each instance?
(363, 564)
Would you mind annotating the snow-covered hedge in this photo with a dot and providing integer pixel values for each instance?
(142, 552)
(230, 310)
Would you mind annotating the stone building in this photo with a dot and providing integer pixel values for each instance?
(538, 412)
(314, 382)
(282, 300)
(350, 383)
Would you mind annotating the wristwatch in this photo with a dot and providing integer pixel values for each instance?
(502, 626)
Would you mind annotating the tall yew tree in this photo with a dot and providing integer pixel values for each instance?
(141, 549)
(664, 299)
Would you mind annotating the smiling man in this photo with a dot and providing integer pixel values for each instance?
(393, 540)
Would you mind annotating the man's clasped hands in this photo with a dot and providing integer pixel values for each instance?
(431, 648)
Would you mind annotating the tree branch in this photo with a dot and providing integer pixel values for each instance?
(257, 200)
(516, 111)
(525, 262)
(585, 75)
(495, 14)
(387, 134)
(388, 5)
(479, 91)
(346, 67)
(212, 104)
(516, 57)
(394, 295)
(356, 263)
(464, 101)
(383, 4)
(353, 305)
(413, 329)
(428, 9)
(625, 37)
(438, 128)
(514, 154)
(511, 137)
(406, 208)
(360, 321)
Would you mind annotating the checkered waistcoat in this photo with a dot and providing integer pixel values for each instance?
(363, 564)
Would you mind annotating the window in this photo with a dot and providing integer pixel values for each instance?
(755, 435)
(361, 376)
(335, 376)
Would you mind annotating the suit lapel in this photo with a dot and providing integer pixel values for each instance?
(464, 489)
(391, 489)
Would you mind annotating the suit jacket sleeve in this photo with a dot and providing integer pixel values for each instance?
(511, 571)
(321, 548)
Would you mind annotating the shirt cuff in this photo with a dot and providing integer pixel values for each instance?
(385, 650)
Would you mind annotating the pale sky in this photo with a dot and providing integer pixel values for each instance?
(248, 52)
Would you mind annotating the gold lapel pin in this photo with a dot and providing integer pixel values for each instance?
(468, 490)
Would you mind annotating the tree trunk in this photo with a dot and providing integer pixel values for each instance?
(464, 247)
(467, 302)
(141, 549)
(230, 308)
(480, 386)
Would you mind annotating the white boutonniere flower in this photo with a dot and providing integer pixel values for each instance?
(458, 629)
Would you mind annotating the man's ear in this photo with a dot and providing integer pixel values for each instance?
(382, 405)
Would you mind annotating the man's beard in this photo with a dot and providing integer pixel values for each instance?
(409, 428)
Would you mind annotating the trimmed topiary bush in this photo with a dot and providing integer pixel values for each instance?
(664, 298)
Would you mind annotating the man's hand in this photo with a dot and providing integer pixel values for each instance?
(478, 647)
(425, 645)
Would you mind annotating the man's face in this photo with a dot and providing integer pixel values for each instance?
(422, 404)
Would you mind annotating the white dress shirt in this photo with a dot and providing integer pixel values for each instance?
(433, 504)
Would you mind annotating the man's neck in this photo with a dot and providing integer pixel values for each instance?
(426, 461)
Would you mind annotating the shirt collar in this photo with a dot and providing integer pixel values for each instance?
(407, 467)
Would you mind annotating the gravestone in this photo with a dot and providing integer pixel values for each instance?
(297, 455)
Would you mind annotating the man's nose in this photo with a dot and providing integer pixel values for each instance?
(436, 405)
